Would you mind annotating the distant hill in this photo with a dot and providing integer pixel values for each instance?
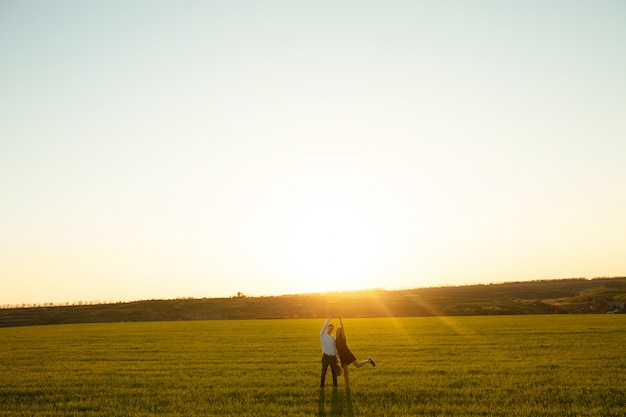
(600, 295)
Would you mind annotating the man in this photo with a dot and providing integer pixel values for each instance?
(329, 352)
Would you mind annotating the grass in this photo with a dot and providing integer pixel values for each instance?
(553, 365)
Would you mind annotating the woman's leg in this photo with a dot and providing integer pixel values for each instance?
(345, 374)
(361, 363)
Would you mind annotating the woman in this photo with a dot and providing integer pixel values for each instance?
(346, 356)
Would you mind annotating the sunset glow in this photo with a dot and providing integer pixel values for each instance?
(174, 149)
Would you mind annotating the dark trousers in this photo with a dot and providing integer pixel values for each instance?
(327, 361)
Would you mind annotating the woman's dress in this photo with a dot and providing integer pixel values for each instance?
(345, 354)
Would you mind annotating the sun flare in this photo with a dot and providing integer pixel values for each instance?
(331, 246)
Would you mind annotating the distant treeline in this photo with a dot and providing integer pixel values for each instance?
(577, 295)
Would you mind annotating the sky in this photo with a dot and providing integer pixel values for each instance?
(163, 149)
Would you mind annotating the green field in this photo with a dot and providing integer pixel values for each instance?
(552, 365)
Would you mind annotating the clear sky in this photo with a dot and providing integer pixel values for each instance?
(162, 149)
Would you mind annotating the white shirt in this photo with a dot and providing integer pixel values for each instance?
(328, 341)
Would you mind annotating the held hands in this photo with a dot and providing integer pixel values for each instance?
(337, 316)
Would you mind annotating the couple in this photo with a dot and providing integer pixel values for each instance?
(330, 349)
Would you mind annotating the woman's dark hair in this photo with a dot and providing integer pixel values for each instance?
(341, 334)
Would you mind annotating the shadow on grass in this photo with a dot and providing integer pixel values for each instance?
(349, 410)
(339, 406)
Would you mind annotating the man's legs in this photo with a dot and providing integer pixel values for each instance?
(326, 362)
(333, 369)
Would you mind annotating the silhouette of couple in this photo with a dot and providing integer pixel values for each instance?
(332, 348)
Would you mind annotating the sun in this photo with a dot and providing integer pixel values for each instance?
(331, 246)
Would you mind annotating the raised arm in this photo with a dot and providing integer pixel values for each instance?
(326, 323)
